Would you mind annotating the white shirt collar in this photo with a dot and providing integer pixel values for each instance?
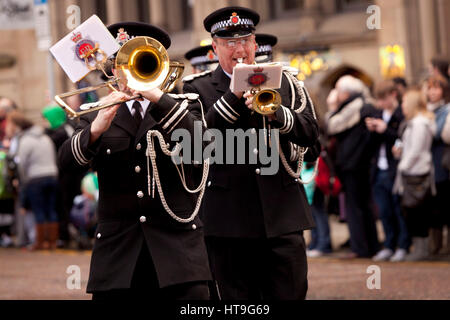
(144, 103)
(228, 74)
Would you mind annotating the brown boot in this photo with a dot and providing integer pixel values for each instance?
(40, 237)
(53, 234)
(435, 240)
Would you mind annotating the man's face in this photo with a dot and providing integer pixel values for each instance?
(230, 50)
(388, 102)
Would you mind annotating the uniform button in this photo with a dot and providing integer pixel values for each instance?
(138, 146)
(140, 194)
(253, 131)
(296, 180)
(209, 183)
(255, 151)
(137, 169)
(142, 219)
(194, 226)
(108, 151)
(99, 235)
(258, 171)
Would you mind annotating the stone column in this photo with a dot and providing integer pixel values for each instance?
(113, 11)
(157, 15)
(428, 30)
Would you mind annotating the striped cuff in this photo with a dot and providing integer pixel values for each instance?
(285, 119)
(175, 116)
(76, 150)
(295, 155)
(225, 110)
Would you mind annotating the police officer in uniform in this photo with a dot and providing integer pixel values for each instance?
(254, 222)
(265, 42)
(202, 58)
(141, 252)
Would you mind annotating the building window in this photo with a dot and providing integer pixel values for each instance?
(352, 5)
(285, 8)
(186, 6)
(143, 11)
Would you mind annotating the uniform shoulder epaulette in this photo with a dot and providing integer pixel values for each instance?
(196, 75)
(291, 70)
(189, 96)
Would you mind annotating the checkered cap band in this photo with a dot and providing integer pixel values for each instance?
(202, 60)
(264, 48)
(227, 23)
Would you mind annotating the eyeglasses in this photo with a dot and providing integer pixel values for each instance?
(232, 44)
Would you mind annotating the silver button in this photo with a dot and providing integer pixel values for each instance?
(296, 180)
(209, 183)
(138, 146)
(99, 235)
(137, 169)
(142, 219)
(255, 151)
(258, 171)
(253, 131)
(108, 151)
(194, 226)
(140, 194)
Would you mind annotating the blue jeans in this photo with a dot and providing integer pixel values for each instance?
(320, 235)
(390, 214)
(40, 193)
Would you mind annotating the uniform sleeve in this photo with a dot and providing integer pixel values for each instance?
(300, 127)
(76, 153)
(225, 112)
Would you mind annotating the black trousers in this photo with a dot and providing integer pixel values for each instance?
(145, 286)
(259, 269)
(359, 213)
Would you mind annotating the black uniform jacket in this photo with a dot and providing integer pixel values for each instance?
(239, 201)
(127, 214)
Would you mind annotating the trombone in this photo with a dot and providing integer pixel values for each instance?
(142, 63)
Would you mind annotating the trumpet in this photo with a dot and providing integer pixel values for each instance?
(142, 64)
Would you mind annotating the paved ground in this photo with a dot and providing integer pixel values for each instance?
(43, 275)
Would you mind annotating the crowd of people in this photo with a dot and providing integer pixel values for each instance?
(390, 151)
(40, 203)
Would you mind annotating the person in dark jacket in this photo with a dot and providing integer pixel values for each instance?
(254, 221)
(354, 151)
(149, 240)
(384, 170)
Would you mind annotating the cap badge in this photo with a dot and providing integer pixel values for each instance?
(210, 55)
(122, 36)
(234, 19)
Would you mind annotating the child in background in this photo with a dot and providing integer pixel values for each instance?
(83, 215)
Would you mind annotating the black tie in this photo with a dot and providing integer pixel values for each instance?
(137, 113)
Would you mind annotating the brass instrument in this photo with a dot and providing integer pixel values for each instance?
(266, 101)
(142, 63)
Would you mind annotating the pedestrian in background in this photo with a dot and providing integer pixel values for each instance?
(438, 96)
(355, 147)
(397, 242)
(414, 173)
(36, 164)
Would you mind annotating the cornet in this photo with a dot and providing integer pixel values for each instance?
(142, 63)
